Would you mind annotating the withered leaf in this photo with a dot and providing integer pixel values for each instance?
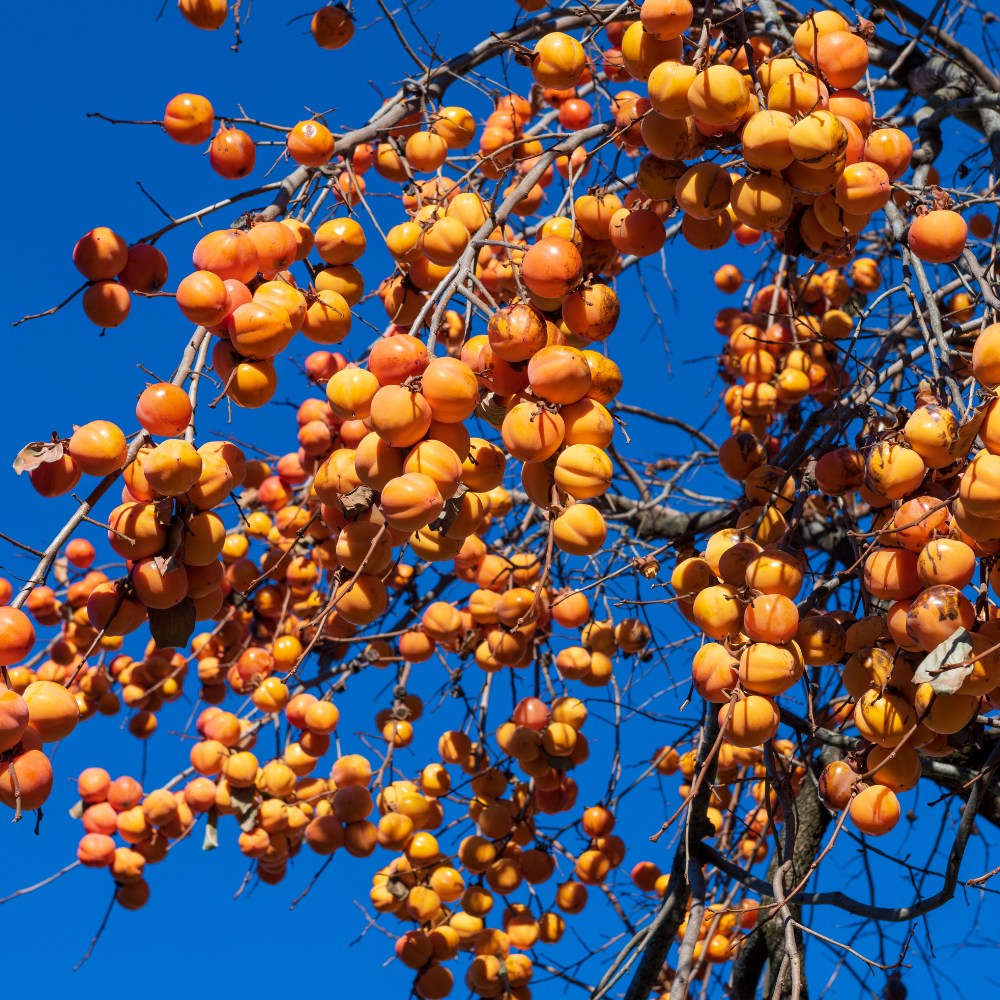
(172, 626)
(491, 411)
(968, 431)
(865, 29)
(211, 841)
(936, 667)
(355, 503)
(164, 511)
(168, 560)
(397, 888)
(76, 810)
(35, 453)
(60, 570)
(449, 514)
(244, 801)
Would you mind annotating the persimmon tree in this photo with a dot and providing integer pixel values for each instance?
(457, 508)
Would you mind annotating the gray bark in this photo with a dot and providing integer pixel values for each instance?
(767, 946)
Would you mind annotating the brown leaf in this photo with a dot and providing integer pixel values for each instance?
(60, 569)
(968, 431)
(164, 511)
(940, 667)
(173, 626)
(865, 29)
(355, 503)
(35, 453)
(452, 508)
(491, 411)
(168, 560)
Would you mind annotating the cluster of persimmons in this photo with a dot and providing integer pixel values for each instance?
(390, 461)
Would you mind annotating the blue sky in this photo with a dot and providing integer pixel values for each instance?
(66, 174)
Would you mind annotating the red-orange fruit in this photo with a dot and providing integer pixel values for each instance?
(156, 590)
(332, 28)
(232, 153)
(946, 561)
(875, 810)
(100, 254)
(639, 232)
(203, 298)
(310, 143)
(275, 244)
(227, 253)
(394, 359)
(188, 119)
(664, 19)
(552, 267)
(771, 618)
(13, 719)
(938, 237)
(98, 448)
(146, 269)
(891, 149)
(891, 574)
(451, 391)
(260, 330)
(34, 776)
(854, 106)
(133, 895)
(101, 605)
(766, 668)
(55, 479)
(842, 56)
(840, 471)
(918, 520)
(835, 783)
(517, 332)
(714, 672)
(106, 304)
(492, 372)
(95, 850)
(936, 613)
(124, 793)
(559, 374)
(754, 718)
(163, 409)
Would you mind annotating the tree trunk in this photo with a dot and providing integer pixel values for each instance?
(768, 946)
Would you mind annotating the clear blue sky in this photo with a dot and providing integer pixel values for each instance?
(65, 174)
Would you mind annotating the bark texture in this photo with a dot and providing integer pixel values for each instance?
(767, 947)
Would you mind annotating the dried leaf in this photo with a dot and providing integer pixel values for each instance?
(968, 431)
(35, 453)
(167, 561)
(211, 841)
(173, 626)
(397, 888)
(938, 668)
(164, 511)
(491, 411)
(559, 763)
(449, 514)
(865, 29)
(355, 503)
(242, 798)
(76, 810)
(248, 820)
(60, 570)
